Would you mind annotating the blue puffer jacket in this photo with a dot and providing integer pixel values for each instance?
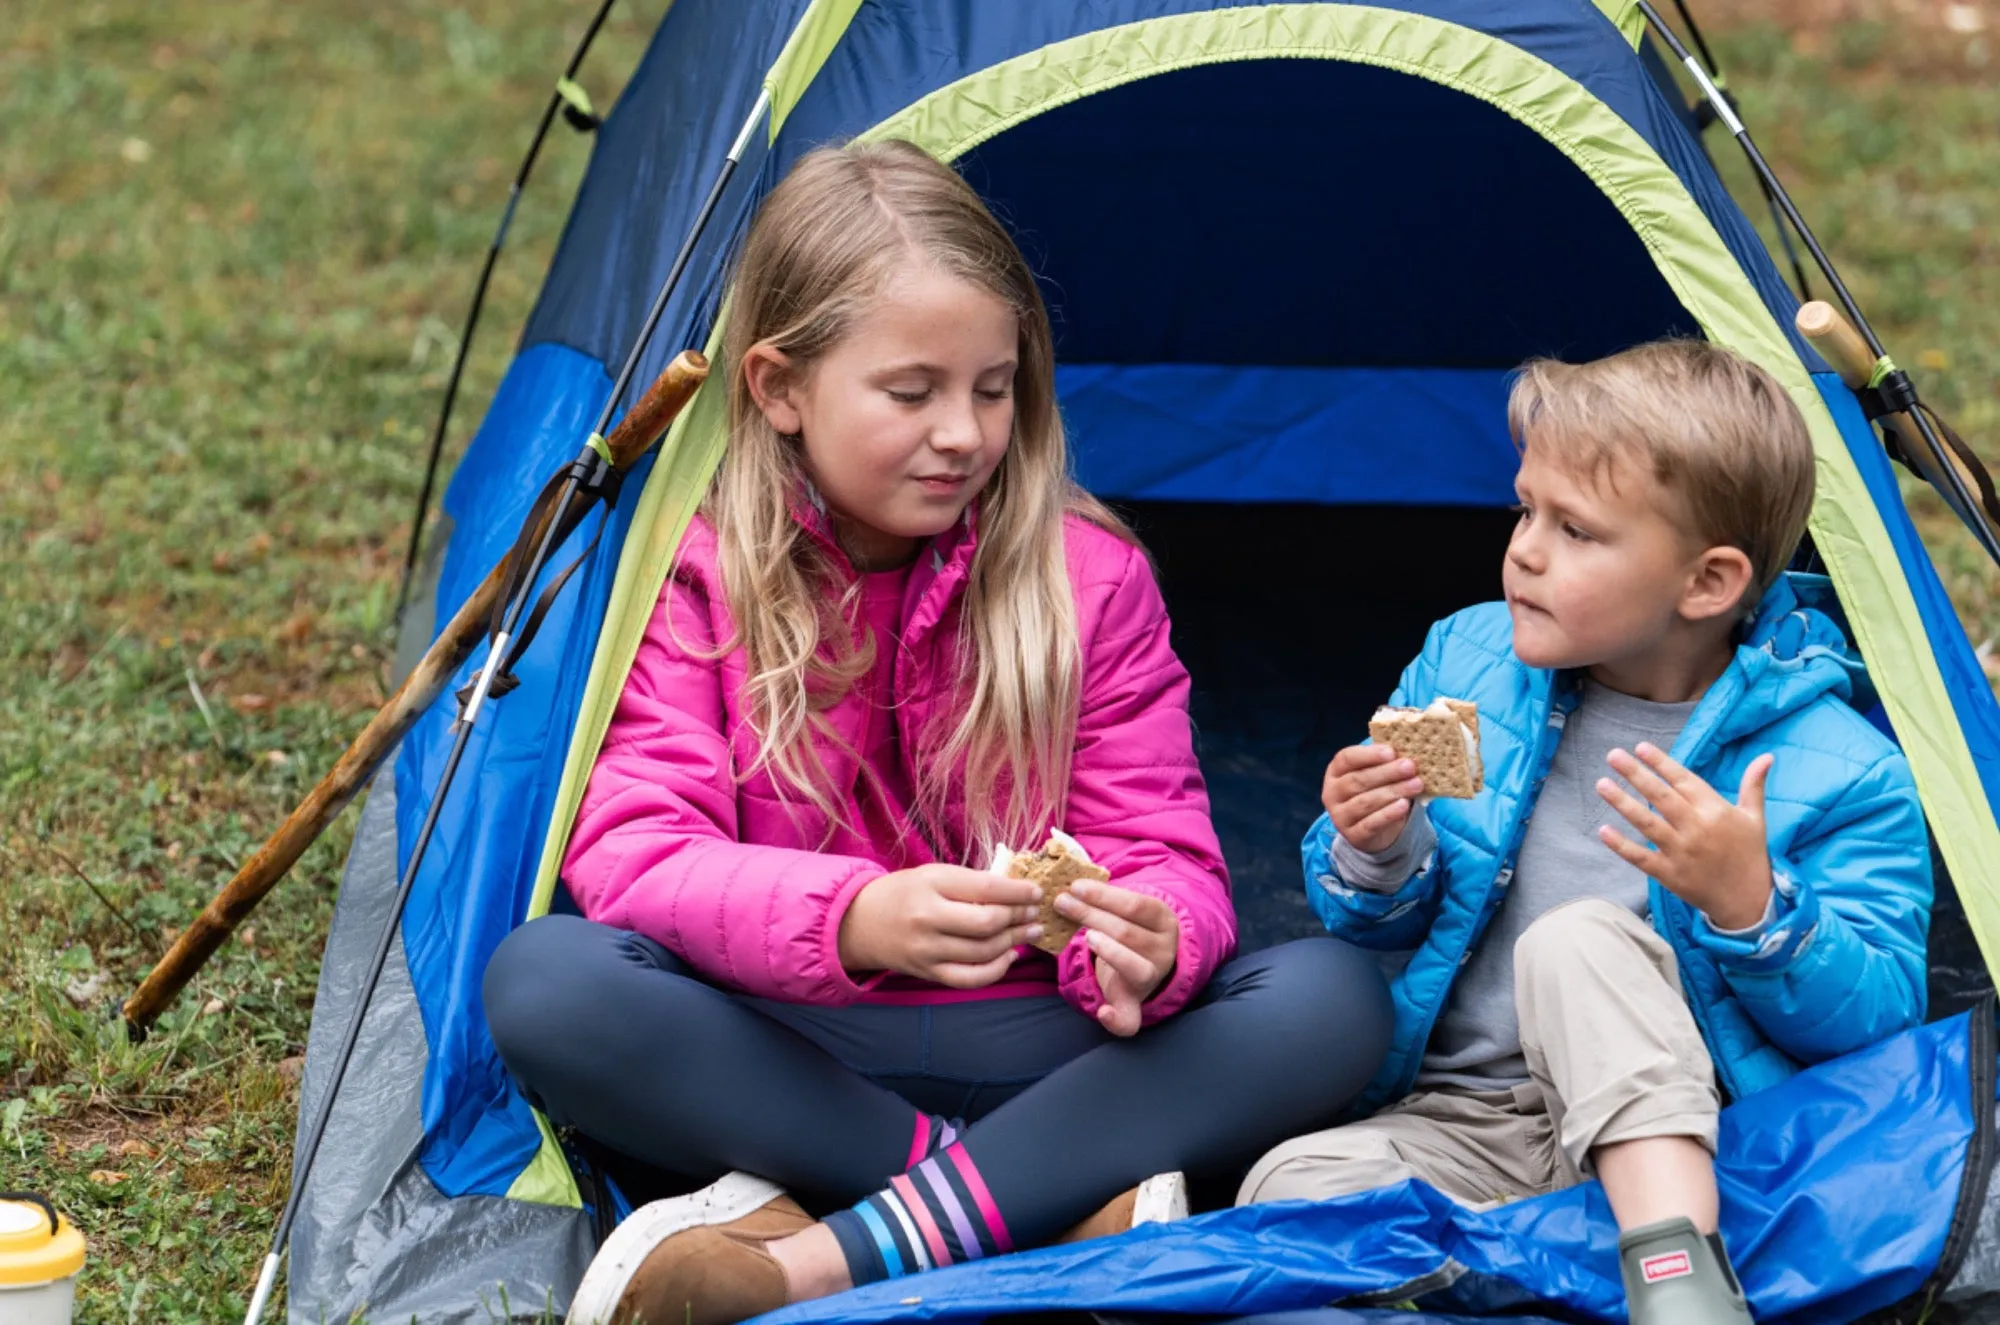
(1842, 962)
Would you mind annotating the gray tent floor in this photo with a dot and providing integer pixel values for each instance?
(1294, 625)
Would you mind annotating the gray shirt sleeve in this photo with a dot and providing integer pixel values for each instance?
(1387, 870)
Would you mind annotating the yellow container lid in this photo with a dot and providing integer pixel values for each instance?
(31, 1252)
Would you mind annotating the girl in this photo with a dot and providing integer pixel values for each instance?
(897, 636)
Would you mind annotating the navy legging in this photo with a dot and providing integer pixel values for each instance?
(610, 1033)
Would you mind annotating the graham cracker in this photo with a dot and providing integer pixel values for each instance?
(1434, 739)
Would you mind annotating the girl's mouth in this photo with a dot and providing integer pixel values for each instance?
(943, 484)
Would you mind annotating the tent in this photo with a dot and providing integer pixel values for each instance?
(1293, 251)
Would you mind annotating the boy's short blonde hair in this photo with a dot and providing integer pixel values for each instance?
(1715, 431)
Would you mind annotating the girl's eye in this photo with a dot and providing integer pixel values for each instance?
(916, 397)
(1576, 535)
(1521, 512)
(1000, 394)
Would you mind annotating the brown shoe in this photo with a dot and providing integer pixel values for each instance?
(1160, 1199)
(692, 1260)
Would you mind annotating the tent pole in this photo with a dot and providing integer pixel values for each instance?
(556, 102)
(1777, 217)
(590, 462)
(1893, 379)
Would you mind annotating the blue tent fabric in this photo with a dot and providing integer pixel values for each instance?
(1836, 1200)
(1236, 337)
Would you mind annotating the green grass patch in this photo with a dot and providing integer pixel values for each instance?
(236, 242)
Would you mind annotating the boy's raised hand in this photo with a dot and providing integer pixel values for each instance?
(1367, 795)
(1135, 938)
(1709, 853)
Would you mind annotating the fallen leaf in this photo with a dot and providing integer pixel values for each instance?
(51, 482)
(247, 936)
(277, 757)
(136, 150)
(213, 1006)
(222, 563)
(249, 703)
(173, 851)
(291, 1069)
(260, 544)
(107, 1177)
(1935, 361)
(175, 558)
(136, 1147)
(298, 627)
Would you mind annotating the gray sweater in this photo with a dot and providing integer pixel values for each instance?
(1476, 1044)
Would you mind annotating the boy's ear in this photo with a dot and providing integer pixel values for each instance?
(1720, 580)
(768, 373)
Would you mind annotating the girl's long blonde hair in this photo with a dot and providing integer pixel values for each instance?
(821, 250)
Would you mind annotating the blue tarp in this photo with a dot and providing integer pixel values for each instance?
(1837, 1195)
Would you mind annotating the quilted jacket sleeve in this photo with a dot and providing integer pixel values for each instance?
(1385, 921)
(1136, 798)
(655, 848)
(1842, 963)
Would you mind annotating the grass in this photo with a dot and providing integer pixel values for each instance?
(235, 245)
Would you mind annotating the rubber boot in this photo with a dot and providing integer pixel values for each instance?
(1676, 1276)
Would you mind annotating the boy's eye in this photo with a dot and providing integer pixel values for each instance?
(1575, 534)
(1521, 511)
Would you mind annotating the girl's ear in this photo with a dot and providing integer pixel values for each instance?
(1717, 587)
(768, 374)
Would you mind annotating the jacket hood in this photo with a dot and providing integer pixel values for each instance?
(1794, 650)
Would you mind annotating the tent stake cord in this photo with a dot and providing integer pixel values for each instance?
(1956, 495)
(479, 303)
(498, 662)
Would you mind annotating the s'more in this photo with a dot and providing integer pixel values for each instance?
(1053, 869)
(1442, 740)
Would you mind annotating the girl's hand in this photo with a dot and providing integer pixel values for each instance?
(1134, 936)
(1709, 853)
(1367, 794)
(943, 923)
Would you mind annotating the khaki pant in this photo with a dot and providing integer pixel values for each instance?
(1613, 1055)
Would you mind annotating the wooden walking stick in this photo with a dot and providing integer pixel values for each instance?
(1968, 489)
(635, 434)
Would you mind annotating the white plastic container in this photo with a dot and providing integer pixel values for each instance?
(40, 1253)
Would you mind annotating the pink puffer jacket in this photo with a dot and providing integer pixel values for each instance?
(750, 890)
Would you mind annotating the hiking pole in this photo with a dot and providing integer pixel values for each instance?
(569, 99)
(426, 681)
(1847, 353)
(1893, 382)
(587, 471)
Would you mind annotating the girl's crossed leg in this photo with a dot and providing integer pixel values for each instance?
(610, 1033)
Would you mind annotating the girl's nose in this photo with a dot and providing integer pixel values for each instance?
(957, 430)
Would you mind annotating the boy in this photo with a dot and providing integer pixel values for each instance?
(1577, 1000)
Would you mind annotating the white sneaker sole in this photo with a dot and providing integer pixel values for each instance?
(1163, 1198)
(729, 1198)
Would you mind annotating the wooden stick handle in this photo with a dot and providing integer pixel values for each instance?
(635, 433)
(1848, 355)
(1837, 342)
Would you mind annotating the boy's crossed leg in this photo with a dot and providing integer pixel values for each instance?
(1620, 1085)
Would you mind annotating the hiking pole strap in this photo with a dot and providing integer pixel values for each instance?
(1921, 441)
(420, 689)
